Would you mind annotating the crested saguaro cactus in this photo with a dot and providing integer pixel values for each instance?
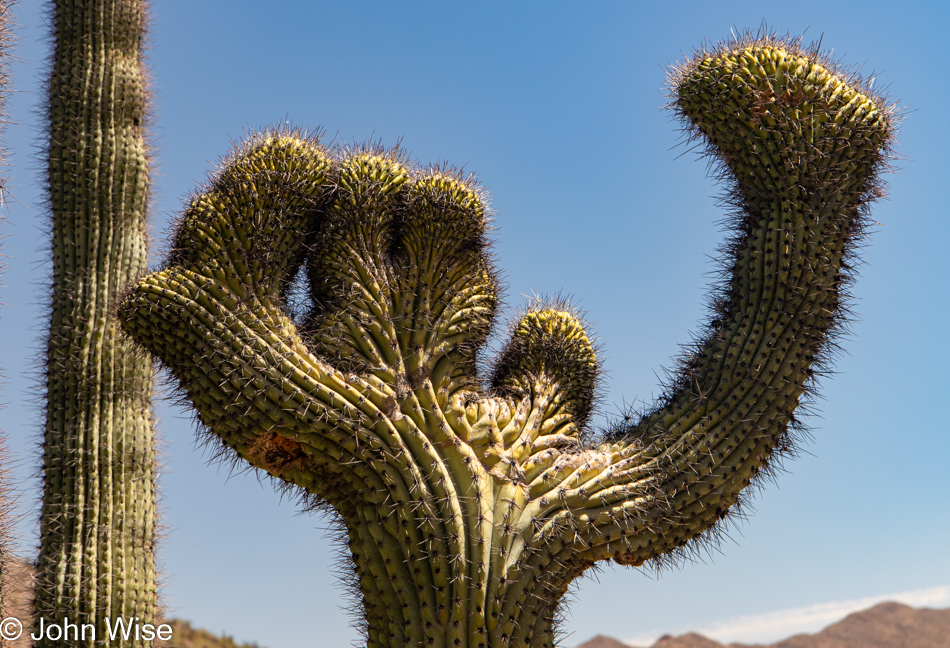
(98, 464)
(471, 507)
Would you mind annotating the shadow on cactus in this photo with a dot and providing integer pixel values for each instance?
(470, 503)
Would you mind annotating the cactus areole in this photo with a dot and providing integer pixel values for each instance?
(471, 504)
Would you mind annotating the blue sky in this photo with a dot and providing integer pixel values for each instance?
(556, 106)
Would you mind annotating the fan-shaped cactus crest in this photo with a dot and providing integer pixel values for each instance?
(471, 504)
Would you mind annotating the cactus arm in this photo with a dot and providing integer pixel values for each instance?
(804, 149)
(237, 355)
(97, 524)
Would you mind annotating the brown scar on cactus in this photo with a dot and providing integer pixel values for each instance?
(469, 507)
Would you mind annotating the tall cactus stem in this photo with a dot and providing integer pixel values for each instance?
(98, 511)
(6, 502)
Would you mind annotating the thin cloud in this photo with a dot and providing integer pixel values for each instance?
(774, 626)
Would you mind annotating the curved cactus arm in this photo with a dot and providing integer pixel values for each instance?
(294, 402)
(224, 334)
(804, 147)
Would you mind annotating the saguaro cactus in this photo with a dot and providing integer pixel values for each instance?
(469, 509)
(98, 501)
(6, 503)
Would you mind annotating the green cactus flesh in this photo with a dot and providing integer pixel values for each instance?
(6, 500)
(470, 510)
(98, 503)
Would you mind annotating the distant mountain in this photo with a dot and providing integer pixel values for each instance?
(691, 640)
(888, 625)
(184, 636)
(600, 641)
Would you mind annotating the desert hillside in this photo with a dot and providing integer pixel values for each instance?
(888, 625)
(184, 636)
(18, 594)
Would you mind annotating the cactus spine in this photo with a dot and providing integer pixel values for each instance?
(98, 507)
(469, 511)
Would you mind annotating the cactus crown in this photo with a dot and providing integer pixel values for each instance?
(754, 100)
(469, 509)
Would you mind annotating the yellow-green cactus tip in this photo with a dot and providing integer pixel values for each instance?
(455, 190)
(373, 169)
(550, 347)
(755, 102)
(562, 325)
